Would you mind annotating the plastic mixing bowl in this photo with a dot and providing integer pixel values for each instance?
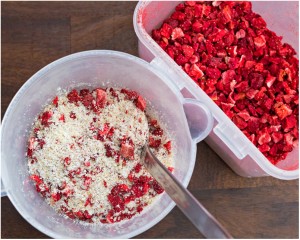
(97, 69)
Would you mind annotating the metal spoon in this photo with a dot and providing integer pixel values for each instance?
(186, 202)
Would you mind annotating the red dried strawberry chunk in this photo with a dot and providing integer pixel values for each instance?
(67, 161)
(56, 196)
(289, 122)
(157, 188)
(55, 101)
(62, 118)
(177, 33)
(105, 130)
(282, 110)
(73, 96)
(127, 151)
(167, 146)
(46, 116)
(100, 97)
(263, 137)
(72, 115)
(37, 179)
(166, 30)
(188, 51)
(141, 103)
(277, 137)
(87, 100)
(154, 143)
(109, 151)
(157, 132)
(132, 95)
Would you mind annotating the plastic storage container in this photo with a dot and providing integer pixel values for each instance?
(92, 69)
(226, 138)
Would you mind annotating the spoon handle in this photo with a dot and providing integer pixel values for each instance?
(187, 203)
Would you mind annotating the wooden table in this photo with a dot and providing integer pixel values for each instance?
(37, 33)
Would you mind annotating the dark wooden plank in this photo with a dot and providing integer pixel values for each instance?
(37, 33)
(13, 225)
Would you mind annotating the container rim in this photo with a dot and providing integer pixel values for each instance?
(34, 78)
(256, 155)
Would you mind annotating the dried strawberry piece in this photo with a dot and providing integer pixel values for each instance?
(55, 101)
(137, 168)
(62, 186)
(109, 151)
(84, 92)
(157, 132)
(167, 146)
(67, 161)
(156, 187)
(72, 115)
(46, 117)
(79, 214)
(188, 51)
(141, 103)
(87, 182)
(78, 171)
(267, 104)
(197, 26)
(56, 196)
(73, 96)
(195, 71)
(240, 34)
(253, 124)
(282, 110)
(239, 122)
(286, 50)
(154, 143)
(105, 130)
(127, 151)
(156, 35)
(244, 115)
(104, 183)
(277, 137)
(270, 80)
(213, 73)
(100, 97)
(166, 30)
(37, 179)
(139, 189)
(111, 132)
(260, 41)
(86, 214)
(120, 188)
(132, 95)
(263, 137)
(289, 122)
(87, 163)
(177, 33)
(116, 201)
(62, 118)
(87, 100)
(264, 148)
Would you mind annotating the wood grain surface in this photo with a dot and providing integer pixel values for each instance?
(37, 33)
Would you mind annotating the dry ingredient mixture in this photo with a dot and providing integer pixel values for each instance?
(244, 67)
(84, 153)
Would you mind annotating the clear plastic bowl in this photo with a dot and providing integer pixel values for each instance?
(226, 139)
(92, 69)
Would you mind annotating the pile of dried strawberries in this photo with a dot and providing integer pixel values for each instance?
(230, 53)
